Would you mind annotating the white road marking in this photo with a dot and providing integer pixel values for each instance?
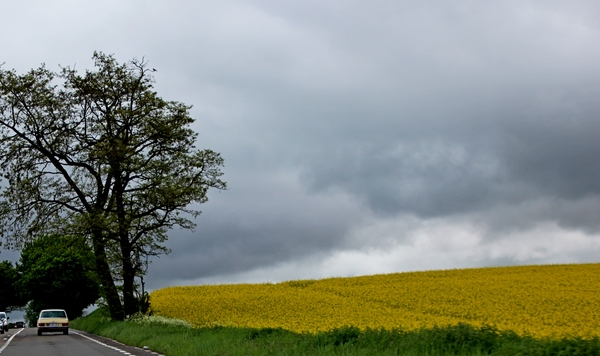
(87, 337)
(9, 340)
(101, 343)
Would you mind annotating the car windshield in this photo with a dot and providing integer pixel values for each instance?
(53, 314)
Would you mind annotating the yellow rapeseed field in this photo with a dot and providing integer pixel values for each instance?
(542, 301)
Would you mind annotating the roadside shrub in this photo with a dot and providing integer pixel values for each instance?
(339, 336)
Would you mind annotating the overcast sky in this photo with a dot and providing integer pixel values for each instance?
(360, 137)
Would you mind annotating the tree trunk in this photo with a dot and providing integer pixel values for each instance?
(129, 300)
(111, 294)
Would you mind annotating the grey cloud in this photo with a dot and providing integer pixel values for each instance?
(535, 152)
(261, 220)
(574, 214)
(473, 125)
(231, 250)
(555, 148)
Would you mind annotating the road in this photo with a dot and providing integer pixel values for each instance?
(26, 342)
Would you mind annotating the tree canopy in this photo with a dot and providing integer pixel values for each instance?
(100, 155)
(58, 272)
(10, 296)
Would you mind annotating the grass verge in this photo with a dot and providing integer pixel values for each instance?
(175, 338)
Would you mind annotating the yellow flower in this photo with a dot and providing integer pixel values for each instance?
(542, 301)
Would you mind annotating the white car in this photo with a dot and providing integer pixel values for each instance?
(53, 320)
(4, 318)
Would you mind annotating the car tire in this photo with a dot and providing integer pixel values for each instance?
(2, 331)
(66, 332)
(39, 333)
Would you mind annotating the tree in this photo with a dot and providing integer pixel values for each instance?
(100, 155)
(10, 296)
(58, 272)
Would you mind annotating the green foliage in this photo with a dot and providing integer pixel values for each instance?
(10, 296)
(266, 333)
(144, 303)
(58, 272)
(176, 340)
(31, 315)
(339, 336)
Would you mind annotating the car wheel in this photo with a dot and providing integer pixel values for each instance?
(39, 333)
(66, 332)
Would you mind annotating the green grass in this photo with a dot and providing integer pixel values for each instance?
(175, 339)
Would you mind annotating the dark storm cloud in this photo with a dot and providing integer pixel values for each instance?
(492, 114)
(537, 150)
(233, 249)
(555, 147)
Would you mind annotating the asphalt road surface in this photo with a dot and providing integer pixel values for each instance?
(78, 343)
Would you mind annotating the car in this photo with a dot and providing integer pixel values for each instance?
(53, 320)
(4, 319)
(19, 324)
